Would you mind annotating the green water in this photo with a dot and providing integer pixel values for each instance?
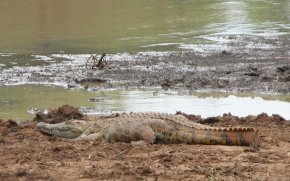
(86, 26)
(15, 101)
(19, 99)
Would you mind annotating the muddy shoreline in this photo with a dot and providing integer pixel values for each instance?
(26, 154)
(244, 63)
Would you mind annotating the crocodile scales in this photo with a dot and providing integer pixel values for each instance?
(138, 128)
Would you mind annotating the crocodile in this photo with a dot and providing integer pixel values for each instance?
(146, 128)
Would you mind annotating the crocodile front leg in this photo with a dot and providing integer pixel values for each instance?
(147, 136)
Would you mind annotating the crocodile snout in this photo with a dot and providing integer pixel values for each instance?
(61, 130)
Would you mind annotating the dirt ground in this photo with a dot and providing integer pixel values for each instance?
(26, 154)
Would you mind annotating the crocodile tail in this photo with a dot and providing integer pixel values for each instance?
(238, 136)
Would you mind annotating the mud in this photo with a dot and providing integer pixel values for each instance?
(239, 63)
(54, 116)
(26, 154)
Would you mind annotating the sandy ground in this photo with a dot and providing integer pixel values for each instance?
(26, 154)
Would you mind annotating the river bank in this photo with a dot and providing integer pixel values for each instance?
(243, 63)
(26, 154)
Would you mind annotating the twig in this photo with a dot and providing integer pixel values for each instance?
(123, 152)
(100, 63)
(88, 61)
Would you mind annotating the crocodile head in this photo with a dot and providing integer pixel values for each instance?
(69, 129)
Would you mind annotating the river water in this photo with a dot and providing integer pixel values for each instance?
(92, 26)
(36, 27)
(19, 101)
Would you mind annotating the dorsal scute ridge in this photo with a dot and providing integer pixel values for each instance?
(230, 129)
(182, 121)
(176, 119)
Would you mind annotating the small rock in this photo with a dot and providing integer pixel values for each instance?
(96, 99)
(224, 52)
(143, 170)
(252, 74)
(282, 69)
(71, 86)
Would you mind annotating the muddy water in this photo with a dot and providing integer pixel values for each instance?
(74, 26)
(20, 99)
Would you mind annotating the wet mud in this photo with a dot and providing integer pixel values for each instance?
(54, 116)
(26, 154)
(243, 63)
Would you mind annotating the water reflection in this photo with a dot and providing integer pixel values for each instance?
(16, 100)
(236, 16)
(204, 104)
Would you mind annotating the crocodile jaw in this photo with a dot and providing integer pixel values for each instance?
(66, 129)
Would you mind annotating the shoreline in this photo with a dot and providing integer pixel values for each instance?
(29, 155)
(237, 69)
